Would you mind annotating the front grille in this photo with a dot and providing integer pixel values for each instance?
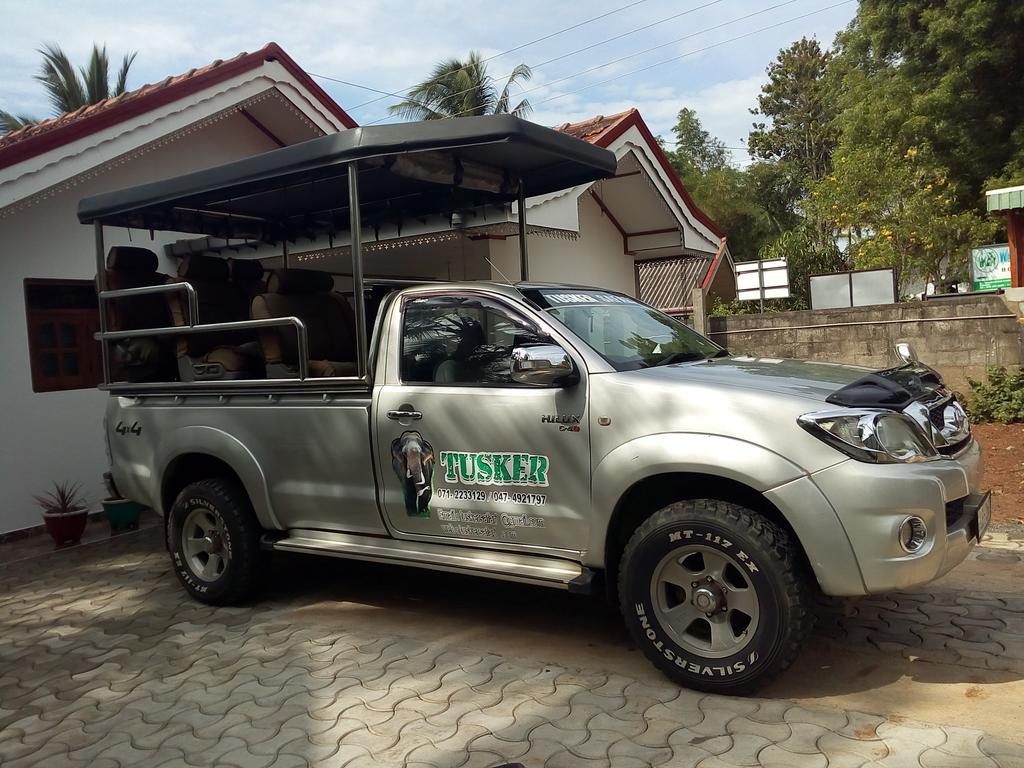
(954, 448)
(944, 421)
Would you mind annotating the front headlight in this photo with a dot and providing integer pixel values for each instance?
(882, 437)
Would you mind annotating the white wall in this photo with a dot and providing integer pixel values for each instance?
(57, 436)
(596, 258)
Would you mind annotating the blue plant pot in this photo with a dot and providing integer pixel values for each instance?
(122, 514)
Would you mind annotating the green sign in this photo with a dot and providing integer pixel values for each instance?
(990, 267)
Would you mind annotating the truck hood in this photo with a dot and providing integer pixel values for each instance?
(808, 379)
(834, 383)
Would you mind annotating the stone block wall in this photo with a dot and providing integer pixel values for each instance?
(958, 337)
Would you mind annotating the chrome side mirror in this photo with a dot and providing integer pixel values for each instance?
(543, 365)
(905, 351)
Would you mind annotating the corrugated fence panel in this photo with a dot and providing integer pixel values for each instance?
(666, 283)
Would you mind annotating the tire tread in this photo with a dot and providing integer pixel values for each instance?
(246, 556)
(779, 545)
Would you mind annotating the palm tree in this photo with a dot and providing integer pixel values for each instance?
(461, 89)
(70, 89)
(9, 122)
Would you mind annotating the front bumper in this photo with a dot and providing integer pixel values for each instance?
(872, 500)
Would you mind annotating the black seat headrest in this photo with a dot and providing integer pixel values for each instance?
(299, 281)
(197, 266)
(246, 269)
(128, 258)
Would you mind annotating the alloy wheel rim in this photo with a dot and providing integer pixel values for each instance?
(705, 600)
(204, 544)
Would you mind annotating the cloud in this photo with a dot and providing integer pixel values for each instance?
(722, 107)
(391, 44)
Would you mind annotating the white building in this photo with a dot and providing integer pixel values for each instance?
(638, 232)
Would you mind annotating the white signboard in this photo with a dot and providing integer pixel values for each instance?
(760, 280)
(853, 289)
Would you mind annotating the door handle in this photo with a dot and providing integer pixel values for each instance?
(399, 415)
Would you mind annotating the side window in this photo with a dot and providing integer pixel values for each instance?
(62, 317)
(460, 340)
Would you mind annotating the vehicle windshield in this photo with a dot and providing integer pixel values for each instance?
(626, 333)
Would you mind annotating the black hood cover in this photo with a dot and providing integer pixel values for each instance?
(894, 388)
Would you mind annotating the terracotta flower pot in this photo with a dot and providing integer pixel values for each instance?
(66, 529)
(122, 514)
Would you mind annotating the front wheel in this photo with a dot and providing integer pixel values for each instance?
(714, 595)
(214, 539)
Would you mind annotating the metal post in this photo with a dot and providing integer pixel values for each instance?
(101, 286)
(356, 230)
(524, 259)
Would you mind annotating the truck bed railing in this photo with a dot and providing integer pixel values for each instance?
(147, 290)
(302, 338)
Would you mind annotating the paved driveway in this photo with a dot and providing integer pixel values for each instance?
(105, 662)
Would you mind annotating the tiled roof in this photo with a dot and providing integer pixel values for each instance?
(35, 139)
(595, 128)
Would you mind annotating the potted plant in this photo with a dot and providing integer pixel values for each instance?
(122, 514)
(64, 512)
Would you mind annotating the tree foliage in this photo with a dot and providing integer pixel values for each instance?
(800, 135)
(10, 122)
(462, 89)
(948, 75)
(886, 142)
(696, 150)
(69, 88)
(722, 191)
(806, 255)
(899, 210)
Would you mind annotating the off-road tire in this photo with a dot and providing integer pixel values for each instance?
(228, 503)
(773, 569)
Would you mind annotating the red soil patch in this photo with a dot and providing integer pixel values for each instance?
(1003, 448)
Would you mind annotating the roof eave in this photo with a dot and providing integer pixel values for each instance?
(633, 119)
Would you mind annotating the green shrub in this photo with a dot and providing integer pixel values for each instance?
(1000, 398)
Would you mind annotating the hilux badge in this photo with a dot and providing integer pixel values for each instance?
(561, 418)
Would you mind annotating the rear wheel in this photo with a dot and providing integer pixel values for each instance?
(714, 595)
(213, 538)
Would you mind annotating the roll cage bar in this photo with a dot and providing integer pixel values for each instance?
(390, 172)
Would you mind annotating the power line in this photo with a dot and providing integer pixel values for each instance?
(567, 29)
(358, 85)
(632, 55)
(489, 58)
(672, 141)
(673, 17)
(694, 52)
(602, 42)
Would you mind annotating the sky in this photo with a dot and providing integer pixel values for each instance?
(389, 45)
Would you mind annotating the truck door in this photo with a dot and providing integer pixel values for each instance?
(465, 453)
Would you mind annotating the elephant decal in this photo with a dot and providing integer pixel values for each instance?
(413, 460)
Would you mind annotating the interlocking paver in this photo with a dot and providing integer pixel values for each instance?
(103, 662)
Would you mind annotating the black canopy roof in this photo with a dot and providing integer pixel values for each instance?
(408, 169)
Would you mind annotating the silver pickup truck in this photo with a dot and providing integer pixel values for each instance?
(556, 435)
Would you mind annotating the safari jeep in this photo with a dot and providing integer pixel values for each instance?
(556, 435)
